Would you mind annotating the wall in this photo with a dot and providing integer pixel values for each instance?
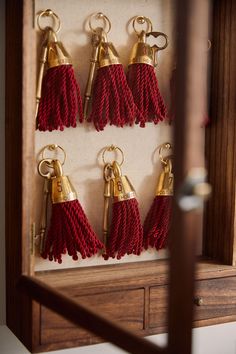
(83, 144)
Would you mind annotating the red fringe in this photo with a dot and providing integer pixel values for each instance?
(112, 99)
(60, 101)
(126, 235)
(70, 232)
(157, 223)
(147, 97)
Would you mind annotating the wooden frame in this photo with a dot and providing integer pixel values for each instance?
(219, 234)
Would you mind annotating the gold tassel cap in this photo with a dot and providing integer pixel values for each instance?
(107, 54)
(57, 54)
(122, 188)
(62, 189)
(143, 53)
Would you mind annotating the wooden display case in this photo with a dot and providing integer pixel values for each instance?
(135, 294)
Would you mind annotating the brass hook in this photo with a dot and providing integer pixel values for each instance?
(53, 147)
(141, 20)
(166, 146)
(104, 18)
(112, 148)
(49, 13)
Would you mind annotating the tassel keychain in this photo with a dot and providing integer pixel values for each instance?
(126, 234)
(58, 98)
(69, 229)
(112, 101)
(157, 222)
(141, 75)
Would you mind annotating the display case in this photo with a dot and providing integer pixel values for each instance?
(133, 292)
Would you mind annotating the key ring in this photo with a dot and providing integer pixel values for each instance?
(53, 15)
(112, 148)
(141, 20)
(53, 147)
(104, 18)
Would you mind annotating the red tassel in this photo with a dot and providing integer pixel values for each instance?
(70, 232)
(157, 222)
(147, 97)
(126, 233)
(113, 102)
(69, 229)
(58, 94)
(142, 79)
(60, 101)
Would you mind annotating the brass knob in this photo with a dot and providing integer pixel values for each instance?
(198, 300)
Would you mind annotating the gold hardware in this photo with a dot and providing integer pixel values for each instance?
(42, 61)
(112, 148)
(166, 180)
(53, 148)
(107, 175)
(55, 54)
(40, 238)
(96, 39)
(100, 16)
(122, 188)
(198, 300)
(141, 20)
(142, 52)
(166, 146)
(107, 54)
(62, 189)
(53, 15)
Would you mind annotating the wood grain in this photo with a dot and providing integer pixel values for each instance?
(219, 230)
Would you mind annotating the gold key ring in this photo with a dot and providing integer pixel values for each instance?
(53, 147)
(53, 15)
(104, 18)
(112, 148)
(142, 20)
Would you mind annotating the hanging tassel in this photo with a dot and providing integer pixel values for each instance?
(142, 79)
(58, 98)
(126, 233)
(157, 223)
(112, 101)
(69, 229)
